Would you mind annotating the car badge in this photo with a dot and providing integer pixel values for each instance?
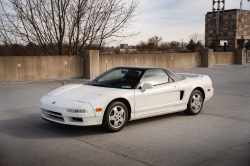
(54, 102)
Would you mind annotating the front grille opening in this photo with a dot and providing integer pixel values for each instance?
(54, 112)
(77, 119)
(52, 115)
(181, 95)
(56, 117)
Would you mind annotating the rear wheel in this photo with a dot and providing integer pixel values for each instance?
(195, 103)
(115, 117)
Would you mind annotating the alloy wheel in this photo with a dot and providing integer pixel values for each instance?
(117, 116)
(196, 102)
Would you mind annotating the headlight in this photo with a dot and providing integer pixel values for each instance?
(48, 95)
(77, 111)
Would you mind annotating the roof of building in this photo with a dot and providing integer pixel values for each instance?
(230, 10)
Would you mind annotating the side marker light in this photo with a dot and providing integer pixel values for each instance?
(98, 110)
(208, 90)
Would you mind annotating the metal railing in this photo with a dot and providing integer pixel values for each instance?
(219, 48)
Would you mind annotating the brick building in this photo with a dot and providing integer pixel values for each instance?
(124, 46)
(234, 28)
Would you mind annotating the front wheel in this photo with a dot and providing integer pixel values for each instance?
(115, 117)
(195, 103)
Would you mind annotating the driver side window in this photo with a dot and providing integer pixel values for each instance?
(155, 77)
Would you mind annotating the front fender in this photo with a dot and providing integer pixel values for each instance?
(103, 100)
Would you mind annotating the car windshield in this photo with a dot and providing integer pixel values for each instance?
(123, 78)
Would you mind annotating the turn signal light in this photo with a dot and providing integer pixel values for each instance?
(98, 109)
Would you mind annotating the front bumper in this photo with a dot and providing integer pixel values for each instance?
(70, 118)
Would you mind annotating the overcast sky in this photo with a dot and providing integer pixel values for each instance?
(174, 20)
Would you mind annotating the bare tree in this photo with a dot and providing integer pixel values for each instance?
(164, 46)
(155, 40)
(79, 24)
(194, 36)
(141, 46)
(175, 45)
(198, 37)
(202, 39)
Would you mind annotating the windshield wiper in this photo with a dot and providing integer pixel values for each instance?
(101, 85)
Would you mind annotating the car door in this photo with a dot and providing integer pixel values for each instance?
(161, 98)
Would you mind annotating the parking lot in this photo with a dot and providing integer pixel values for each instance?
(219, 135)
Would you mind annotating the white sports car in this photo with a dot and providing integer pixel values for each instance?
(123, 94)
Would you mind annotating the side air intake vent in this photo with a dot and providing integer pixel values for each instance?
(181, 94)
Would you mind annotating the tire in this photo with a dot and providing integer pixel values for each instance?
(195, 103)
(115, 117)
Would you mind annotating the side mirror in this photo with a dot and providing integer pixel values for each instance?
(146, 86)
(92, 78)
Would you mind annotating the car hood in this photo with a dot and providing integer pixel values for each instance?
(80, 92)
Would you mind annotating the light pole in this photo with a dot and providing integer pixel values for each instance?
(218, 15)
(219, 1)
(241, 4)
(182, 44)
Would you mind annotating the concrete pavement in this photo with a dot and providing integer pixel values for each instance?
(219, 135)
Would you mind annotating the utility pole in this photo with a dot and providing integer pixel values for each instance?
(182, 44)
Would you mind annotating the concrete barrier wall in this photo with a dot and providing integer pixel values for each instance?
(167, 60)
(40, 67)
(91, 64)
(223, 58)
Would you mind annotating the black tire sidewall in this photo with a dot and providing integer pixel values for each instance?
(106, 123)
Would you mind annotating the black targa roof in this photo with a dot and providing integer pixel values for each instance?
(138, 67)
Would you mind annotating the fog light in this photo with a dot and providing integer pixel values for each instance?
(77, 111)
